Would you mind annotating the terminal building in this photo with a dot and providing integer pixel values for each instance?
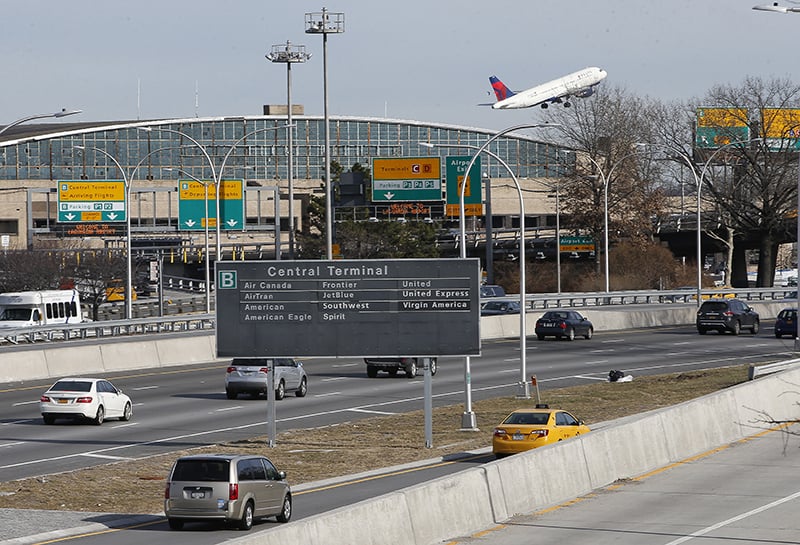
(153, 157)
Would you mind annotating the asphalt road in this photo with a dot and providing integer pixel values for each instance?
(187, 407)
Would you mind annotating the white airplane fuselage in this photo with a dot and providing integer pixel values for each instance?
(578, 84)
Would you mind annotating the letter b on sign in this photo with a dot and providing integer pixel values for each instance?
(226, 280)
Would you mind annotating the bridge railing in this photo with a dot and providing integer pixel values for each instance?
(191, 315)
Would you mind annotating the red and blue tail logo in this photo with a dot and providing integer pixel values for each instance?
(500, 90)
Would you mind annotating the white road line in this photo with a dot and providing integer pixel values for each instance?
(613, 341)
(680, 343)
(125, 425)
(332, 379)
(19, 422)
(596, 361)
(140, 388)
(24, 403)
(222, 410)
(327, 395)
(106, 456)
(731, 520)
(512, 359)
(510, 371)
(591, 378)
(4, 445)
(347, 365)
(369, 412)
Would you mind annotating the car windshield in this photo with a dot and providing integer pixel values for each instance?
(495, 305)
(201, 470)
(15, 314)
(71, 386)
(787, 314)
(530, 419)
(554, 316)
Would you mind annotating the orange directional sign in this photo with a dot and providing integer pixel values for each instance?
(91, 200)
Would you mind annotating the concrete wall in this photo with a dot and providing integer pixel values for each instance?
(82, 358)
(479, 498)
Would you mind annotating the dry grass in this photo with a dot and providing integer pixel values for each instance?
(331, 451)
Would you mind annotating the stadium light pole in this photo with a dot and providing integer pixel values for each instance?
(63, 113)
(205, 229)
(326, 23)
(289, 54)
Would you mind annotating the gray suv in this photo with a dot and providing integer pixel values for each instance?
(249, 376)
(226, 488)
(726, 315)
(410, 366)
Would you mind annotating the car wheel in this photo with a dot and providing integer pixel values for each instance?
(540, 337)
(286, 510)
(411, 370)
(175, 524)
(737, 328)
(303, 389)
(589, 333)
(246, 522)
(231, 394)
(372, 371)
(48, 419)
(571, 334)
(127, 412)
(433, 366)
(100, 416)
(280, 391)
(756, 326)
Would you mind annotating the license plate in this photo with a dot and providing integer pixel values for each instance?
(549, 324)
(517, 437)
(63, 400)
(198, 495)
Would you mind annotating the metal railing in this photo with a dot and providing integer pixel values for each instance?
(182, 315)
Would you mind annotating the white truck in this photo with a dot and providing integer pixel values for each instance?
(35, 308)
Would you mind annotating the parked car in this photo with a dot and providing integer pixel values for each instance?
(494, 308)
(563, 324)
(786, 323)
(726, 315)
(226, 488)
(410, 366)
(526, 429)
(249, 376)
(491, 290)
(92, 399)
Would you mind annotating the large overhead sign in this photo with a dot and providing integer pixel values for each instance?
(193, 202)
(406, 179)
(407, 307)
(456, 177)
(781, 127)
(91, 201)
(721, 126)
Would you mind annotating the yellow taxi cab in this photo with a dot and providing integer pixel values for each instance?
(526, 429)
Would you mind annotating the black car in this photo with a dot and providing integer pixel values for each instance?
(563, 324)
(726, 315)
(496, 308)
(491, 290)
(786, 323)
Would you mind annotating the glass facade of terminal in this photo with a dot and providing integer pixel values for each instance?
(256, 148)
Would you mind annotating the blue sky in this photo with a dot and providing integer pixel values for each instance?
(427, 60)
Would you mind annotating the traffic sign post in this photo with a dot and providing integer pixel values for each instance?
(406, 179)
(91, 201)
(192, 205)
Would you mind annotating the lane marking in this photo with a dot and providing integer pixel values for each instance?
(222, 410)
(327, 395)
(333, 379)
(4, 445)
(25, 421)
(107, 456)
(140, 388)
(24, 403)
(367, 411)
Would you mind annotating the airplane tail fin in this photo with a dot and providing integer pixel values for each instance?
(500, 90)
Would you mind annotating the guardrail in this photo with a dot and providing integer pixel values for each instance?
(755, 371)
(188, 313)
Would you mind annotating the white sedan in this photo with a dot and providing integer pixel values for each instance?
(94, 399)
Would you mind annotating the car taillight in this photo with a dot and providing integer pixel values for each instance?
(499, 432)
(728, 313)
(166, 492)
(44, 399)
(230, 369)
(563, 325)
(233, 491)
(87, 399)
(264, 370)
(540, 433)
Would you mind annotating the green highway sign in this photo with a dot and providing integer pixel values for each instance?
(455, 169)
(95, 201)
(193, 201)
(577, 244)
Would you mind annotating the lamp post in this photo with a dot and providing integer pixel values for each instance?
(289, 54)
(205, 228)
(63, 113)
(326, 23)
(216, 175)
(487, 181)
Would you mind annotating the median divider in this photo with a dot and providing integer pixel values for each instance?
(476, 499)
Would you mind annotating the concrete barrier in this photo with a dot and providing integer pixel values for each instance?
(476, 499)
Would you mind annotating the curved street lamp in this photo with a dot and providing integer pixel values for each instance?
(63, 113)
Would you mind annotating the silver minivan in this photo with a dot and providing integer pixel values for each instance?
(249, 376)
(226, 488)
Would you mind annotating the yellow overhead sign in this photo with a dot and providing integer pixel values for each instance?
(721, 117)
(406, 168)
(74, 191)
(780, 122)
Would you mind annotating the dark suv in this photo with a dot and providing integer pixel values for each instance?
(726, 315)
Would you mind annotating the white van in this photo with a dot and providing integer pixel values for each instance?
(34, 308)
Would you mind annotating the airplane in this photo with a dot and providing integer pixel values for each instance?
(578, 84)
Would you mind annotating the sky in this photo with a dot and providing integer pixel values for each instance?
(425, 60)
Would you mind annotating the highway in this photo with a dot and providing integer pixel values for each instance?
(167, 415)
